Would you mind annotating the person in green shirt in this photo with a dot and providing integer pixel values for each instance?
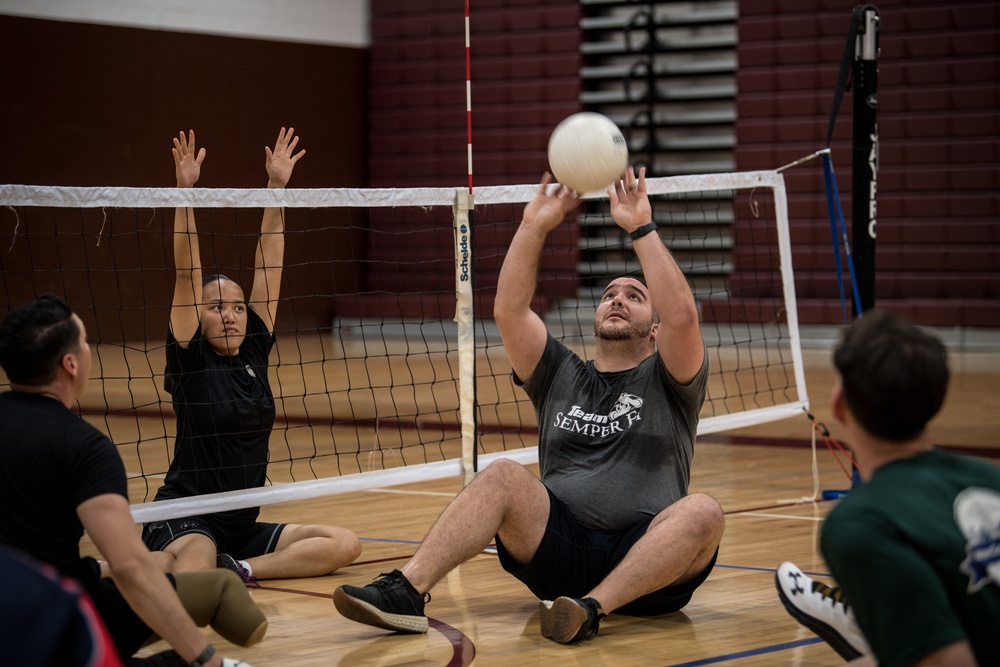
(915, 548)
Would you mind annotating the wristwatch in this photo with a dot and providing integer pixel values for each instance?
(204, 657)
(639, 232)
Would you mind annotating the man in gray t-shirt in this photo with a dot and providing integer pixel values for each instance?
(616, 448)
(610, 524)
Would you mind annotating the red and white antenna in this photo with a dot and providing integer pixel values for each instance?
(468, 94)
(464, 302)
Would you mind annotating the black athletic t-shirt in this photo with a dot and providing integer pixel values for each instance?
(51, 461)
(225, 413)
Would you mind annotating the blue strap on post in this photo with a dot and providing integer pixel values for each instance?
(836, 213)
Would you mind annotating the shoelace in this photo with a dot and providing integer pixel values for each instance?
(388, 579)
(249, 580)
(594, 617)
(835, 595)
(228, 562)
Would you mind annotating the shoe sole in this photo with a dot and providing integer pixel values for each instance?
(823, 630)
(363, 612)
(561, 619)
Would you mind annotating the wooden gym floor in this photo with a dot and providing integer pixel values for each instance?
(481, 616)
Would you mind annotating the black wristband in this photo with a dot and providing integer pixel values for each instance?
(642, 231)
(204, 657)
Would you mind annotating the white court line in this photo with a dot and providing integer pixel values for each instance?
(413, 493)
(780, 516)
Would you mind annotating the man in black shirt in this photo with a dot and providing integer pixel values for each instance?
(60, 476)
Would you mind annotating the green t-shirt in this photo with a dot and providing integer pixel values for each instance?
(916, 550)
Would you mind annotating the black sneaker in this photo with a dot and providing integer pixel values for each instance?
(567, 620)
(822, 609)
(227, 562)
(168, 658)
(390, 603)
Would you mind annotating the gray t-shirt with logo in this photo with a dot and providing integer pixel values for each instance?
(615, 447)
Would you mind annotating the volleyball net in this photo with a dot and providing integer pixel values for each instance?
(388, 368)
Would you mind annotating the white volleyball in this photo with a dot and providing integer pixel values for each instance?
(587, 152)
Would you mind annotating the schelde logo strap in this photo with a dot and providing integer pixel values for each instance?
(977, 513)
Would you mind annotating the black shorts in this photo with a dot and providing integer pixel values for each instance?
(256, 539)
(571, 560)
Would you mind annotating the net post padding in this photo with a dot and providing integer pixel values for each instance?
(464, 318)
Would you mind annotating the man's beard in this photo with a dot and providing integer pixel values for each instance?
(634, 330)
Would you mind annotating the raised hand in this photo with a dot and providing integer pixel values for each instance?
(187, 166)
(548, 209)
(629, 203)
(281, 161)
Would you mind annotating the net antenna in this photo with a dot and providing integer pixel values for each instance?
(378, 399)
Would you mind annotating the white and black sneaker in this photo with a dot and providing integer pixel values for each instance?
(822, 609)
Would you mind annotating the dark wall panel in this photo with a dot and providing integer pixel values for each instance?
(525, 65)
(97, 105)
(88, 105)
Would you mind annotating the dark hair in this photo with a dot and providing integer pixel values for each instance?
(218, 278)
(638, 275)
(35, 337)
(641, 278)
(894, 375)
(215, 277)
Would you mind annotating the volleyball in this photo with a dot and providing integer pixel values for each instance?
(587, 152)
